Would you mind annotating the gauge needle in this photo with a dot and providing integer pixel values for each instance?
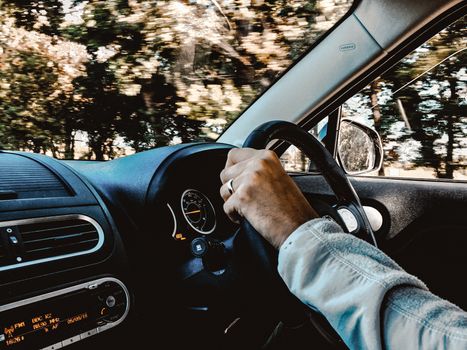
(193, 212)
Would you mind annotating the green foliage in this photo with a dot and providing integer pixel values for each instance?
(29, 84)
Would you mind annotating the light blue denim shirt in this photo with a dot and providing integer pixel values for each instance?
(369, 300)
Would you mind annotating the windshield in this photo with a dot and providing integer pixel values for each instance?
(101, 79)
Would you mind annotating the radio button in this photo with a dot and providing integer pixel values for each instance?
(110, 301)
(71, 340)
(88, 334)
(54, 347)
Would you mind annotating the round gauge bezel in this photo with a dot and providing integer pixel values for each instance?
(186, 218)
(174, 232)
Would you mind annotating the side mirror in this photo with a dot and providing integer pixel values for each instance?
(359, 148)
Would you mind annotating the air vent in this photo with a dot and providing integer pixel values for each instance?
(49, 239)
(44, 239)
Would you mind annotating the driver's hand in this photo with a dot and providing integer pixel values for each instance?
(263, 194)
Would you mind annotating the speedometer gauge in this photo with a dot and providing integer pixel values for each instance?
(198, 211)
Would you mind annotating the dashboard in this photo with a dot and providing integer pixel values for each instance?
(94, 254)
(93, 251)
(59, 247)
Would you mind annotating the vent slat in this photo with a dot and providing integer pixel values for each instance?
(56, 233)
(58, 238)
(55, 223)
(56, 228)
(60, 246)
(48, 252)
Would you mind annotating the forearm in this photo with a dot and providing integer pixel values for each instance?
(416, 319)
(354, 285)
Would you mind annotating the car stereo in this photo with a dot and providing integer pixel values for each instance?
(60, 318)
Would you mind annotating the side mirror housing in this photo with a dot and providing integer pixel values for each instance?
(359, 148)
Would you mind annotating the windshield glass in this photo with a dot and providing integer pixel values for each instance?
(103, 79)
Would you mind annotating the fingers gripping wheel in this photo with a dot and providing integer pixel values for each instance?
(332, 172)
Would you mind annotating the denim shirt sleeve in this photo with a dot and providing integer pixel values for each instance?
(368, 299)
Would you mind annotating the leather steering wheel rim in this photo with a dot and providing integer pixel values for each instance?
(345, 194)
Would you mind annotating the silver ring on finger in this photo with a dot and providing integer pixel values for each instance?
(230, 186)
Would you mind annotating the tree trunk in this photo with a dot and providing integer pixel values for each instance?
(109, 149)
(376, 110)
(96, 143)
(54, 151)
(98, 152)
(449, 172)
(36, 147)
(69, 144)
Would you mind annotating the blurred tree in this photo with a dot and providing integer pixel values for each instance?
(156, 72)
(432, 102)
(29, 81)
(102, 106)
(43, 16)
(421, 100)
(36, 71)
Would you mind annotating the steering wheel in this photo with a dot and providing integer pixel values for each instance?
(263, 256)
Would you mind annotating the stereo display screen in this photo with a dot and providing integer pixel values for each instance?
(47, 322)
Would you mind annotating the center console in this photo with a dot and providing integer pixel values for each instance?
(63, 317)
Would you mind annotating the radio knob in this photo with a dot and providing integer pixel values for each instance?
(110, 301)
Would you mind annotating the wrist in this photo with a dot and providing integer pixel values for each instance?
(290, 228)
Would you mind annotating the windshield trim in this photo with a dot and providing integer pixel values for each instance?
(299, 58)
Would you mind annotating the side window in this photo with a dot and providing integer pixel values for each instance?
(294, 160)
(418, 107)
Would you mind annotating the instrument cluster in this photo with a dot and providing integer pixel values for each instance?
(195, 214)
